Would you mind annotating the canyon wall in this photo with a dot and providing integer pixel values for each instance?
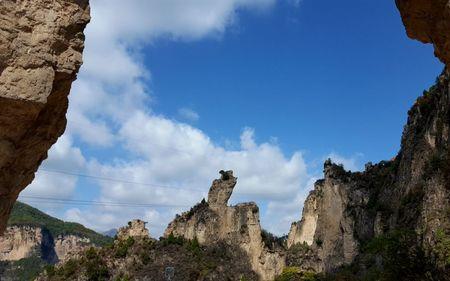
(41, 44)
(214, 221)
(19, 242)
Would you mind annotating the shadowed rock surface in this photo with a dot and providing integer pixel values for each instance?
(429, 22)
(41, 44)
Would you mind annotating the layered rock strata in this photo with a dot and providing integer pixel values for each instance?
(41, 44)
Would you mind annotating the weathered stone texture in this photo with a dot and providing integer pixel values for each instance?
(20, 242)
(410, 192)
(135, 228)
(41, 44)
(429, 22)
(215, 222)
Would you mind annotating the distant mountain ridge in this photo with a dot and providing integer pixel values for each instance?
(23, 214)
(34, 240)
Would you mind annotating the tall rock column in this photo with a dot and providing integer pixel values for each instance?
(41, 45)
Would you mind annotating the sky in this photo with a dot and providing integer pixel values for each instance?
(172, 91)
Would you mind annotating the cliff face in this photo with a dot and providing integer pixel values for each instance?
(429, 22)
(213, 222)
(19, 242)
(410, 193)
(41, 44)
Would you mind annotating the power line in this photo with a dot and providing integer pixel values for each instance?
(117, 180)
(93, 202)
(74, 174)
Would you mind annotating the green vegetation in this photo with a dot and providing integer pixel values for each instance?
(442, 248)
(122, 247)
(271, 241)
(23, 214)
(319, 242)
(94, 268)
(402, 258)
(295, 274)
(24, 269)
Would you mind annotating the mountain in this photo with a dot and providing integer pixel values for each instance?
(392, 221)
(110, 233)
(34, 240)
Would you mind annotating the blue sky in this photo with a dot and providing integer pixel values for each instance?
(172, 92)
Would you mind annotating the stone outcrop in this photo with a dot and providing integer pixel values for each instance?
(20, 242)
(214, 222)
(135, 228)
(409, 193)
(429, 22)
(41, 44)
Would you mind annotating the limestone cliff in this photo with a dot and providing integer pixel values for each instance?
(20, 242)
(409, 194)
(429, 22)
(214, 221)
(41, 44)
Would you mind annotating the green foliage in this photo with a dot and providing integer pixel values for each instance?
(319, 242)
(121, 248)
(23, 214)
(400, 253)
(24, 269)
(442, 248)
(173, 240)
(96, 269)
(194, 246)
(271, 241)
(291, 273)
(68, 269)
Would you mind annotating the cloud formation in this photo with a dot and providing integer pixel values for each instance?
(168, 162)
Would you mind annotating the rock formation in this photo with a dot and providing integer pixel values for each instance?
(213, 222)
(19, 242)
(411, 193)
(429, 22)
(135, 228)
(41, 44)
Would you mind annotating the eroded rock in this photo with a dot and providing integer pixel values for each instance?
(19, 242)
(409, 194)
(215, 222)
(41, 44)
(135, 228)
(429, 22)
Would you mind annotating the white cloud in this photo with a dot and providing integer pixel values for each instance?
(62, 156)
(178, 165)
(109, 108)
(188, 114)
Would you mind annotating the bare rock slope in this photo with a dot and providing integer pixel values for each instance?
(215, 222)
(41, 44)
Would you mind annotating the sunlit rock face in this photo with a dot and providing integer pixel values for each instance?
(135, 228)
(41, 44)
(214, 221)
(429, 22)
(19, 242)
(409, 193)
